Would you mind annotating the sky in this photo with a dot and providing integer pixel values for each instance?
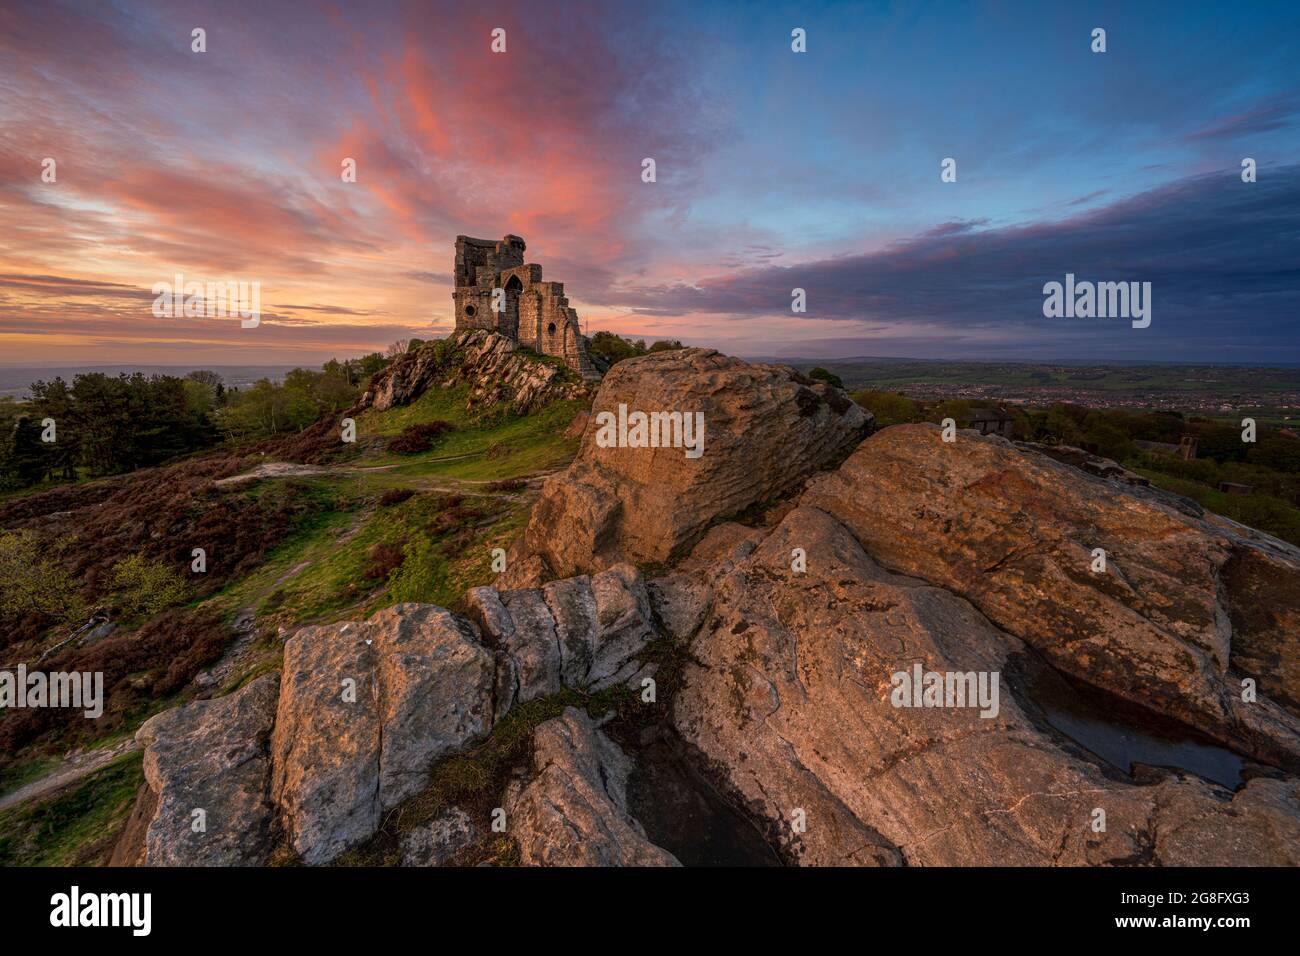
(775, 170)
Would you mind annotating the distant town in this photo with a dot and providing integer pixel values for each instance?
(1209, 390)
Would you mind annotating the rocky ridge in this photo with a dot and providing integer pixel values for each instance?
(365, 709)
(967, 558)
(497, 371)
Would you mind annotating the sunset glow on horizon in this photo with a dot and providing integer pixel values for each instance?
(775, 170)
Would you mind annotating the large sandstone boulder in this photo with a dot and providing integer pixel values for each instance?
(210, 756)
(574, 811)
(365, 710)
(1187, 607)
(791, 702)
(766, 428)
(583, 633)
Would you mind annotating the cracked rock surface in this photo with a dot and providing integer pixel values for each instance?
(364, 711)
(1188, 606)
(766, 428)
(210, 756)
(791, 702)
(965, 558)
(574, 810)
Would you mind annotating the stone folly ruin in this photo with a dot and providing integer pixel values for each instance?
(529, 312)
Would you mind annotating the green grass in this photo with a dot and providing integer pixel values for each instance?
(75, 827)
(335, 548)
(335, 545)
(532, 442)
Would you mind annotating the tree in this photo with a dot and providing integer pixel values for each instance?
(55, 400)
(822, 375)
(1111, 440)
(1061, 425)
(613, 348)
(1277, 452)
(145, 587)
(32, 583)
(889, 408)
(27, 459)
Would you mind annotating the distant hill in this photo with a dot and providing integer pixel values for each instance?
(15, 379)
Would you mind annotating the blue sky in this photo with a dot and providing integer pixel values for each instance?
(776, 170)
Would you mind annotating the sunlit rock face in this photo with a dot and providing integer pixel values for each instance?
(759, 431)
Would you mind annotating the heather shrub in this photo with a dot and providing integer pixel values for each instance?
(139, 666)
(418, 438)
(394, 496)
(142, 587)
(385, 558)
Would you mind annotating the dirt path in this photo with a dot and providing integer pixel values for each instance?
(425, 483)
(72, 769)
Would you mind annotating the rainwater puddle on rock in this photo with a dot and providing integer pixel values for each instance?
(685, 816)
(1123, 734)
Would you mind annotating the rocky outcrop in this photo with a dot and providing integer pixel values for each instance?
(495, 370)
(765, 428)
(574, 810)
(970, 564)
(792, 702)
(207, 767)
(436, 842)
(1167, 625)
(582, 632)
(365, 710)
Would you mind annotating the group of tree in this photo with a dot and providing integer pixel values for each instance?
(607, 348)
(1112, 432)
(103, 424)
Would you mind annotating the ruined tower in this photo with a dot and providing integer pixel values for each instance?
(528, 311)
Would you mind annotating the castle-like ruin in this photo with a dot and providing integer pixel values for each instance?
(529, 312)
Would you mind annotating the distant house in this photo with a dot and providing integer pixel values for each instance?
(1185, 449)
(1106, 468)
(991, 421)
(1232, 488)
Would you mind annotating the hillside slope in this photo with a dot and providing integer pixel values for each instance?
(1128, 714)
(301, 529)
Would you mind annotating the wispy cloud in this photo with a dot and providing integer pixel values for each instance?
(775, 170)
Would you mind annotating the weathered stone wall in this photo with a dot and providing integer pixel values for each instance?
(536, 313)
(491, 254)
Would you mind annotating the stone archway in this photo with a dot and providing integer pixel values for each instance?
(509, 323)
